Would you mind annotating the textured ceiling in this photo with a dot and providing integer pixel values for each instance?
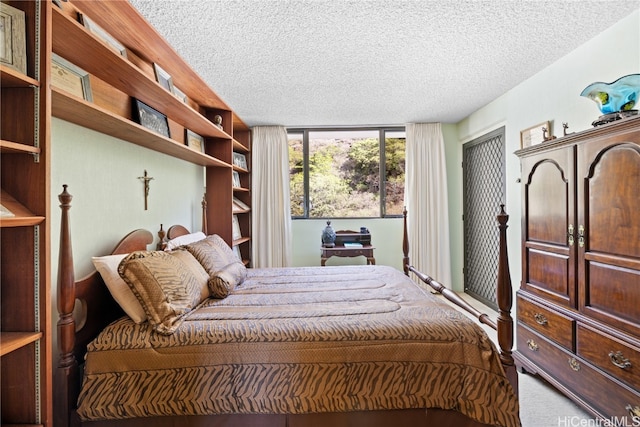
(378, 62)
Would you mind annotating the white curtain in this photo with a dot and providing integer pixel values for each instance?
(270, 206)
(427, 202)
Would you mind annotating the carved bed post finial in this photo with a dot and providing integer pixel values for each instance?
(405, 243)
(204, 214)
(505, 300)
(162, 241)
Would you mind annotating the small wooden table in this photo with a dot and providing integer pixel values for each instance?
(341, 251)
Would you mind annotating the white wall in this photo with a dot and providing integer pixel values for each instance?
(386, 237)
(108, 199)
(554, 95)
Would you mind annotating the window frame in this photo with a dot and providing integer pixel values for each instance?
(382, 130)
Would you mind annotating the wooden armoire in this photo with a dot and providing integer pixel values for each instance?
(578, 306)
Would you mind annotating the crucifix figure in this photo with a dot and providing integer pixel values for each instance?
(146, 180)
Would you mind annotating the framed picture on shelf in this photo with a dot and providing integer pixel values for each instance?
(13, 38)
(5, 212)
(102, 34)
(236, 251)
(193, 140)
(70, 78)
(150, 118)
(240, 160)
(236, 179)
(534, 135)
(163, 78)
(179, 94)
(237, 234)
(240, 204)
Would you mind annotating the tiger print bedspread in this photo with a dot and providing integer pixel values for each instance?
(313, 339)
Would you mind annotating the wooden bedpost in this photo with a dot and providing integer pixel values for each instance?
(66, 378)
(204, 214)
(405, 243)
(504, 296)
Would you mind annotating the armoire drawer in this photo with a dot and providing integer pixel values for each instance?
(620, 360)
(603, 393)
(554, 326)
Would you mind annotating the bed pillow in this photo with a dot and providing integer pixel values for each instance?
(168, 285)
(184, 240)
(107, 266)
(226, 270)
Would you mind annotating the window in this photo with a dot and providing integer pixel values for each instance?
(336, 173)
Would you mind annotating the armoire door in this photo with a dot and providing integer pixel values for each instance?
(609, 231)
(548, 226)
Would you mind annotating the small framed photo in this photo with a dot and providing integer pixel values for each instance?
(70, 78)
(5, 212)
(240, 204)
(236, 179)
(237, 234)
(236, 251)
(150, 118)
(13, 38)
(102, 34)
(534, 135)
(193, 140)
(240, 160)
(179, 94)
(163, 78)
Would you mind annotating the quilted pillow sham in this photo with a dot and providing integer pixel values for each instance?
(168, 285)
(225, 269)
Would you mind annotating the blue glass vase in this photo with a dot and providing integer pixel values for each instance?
(615, 100)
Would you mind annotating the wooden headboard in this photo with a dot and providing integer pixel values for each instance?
(176, 231)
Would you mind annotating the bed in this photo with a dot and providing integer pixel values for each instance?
(307, 346)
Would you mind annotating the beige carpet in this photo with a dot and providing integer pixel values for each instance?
(541, 405)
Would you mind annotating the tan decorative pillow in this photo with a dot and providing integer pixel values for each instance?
(168, 285)
(226, 270)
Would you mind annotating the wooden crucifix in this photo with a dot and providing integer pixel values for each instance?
(146, 180)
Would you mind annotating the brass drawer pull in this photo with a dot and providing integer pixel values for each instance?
(532, 345)
(541, 319)
(574, 364)
(619, 360)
